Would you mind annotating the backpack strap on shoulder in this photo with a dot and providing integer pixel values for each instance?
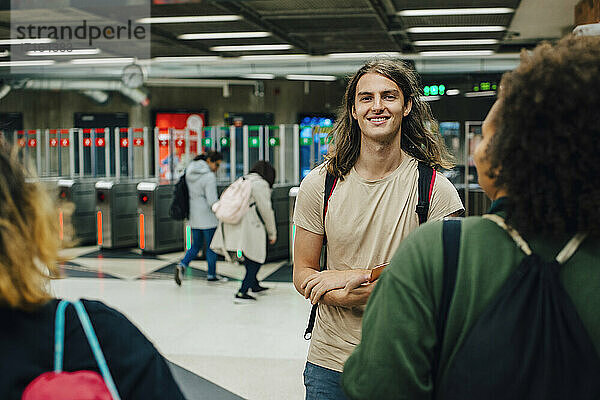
(425, 190)
(330, 182)
(512, 232)
(451, 231)
(570, 248)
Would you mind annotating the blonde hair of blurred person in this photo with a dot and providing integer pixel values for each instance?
(29, 236)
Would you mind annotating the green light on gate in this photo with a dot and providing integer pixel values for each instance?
(305, 141)
(253, 141)
(274, 141)
(426, 90)
(433, 89)
(441, 90)
(476, 88)
(224, 142)
(239, 254)
(207, 142)
(188, 237)
(494, 87)
(485, 85)
(325, 140)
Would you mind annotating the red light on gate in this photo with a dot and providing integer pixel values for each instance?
(144, 198)
(63, 194)
(101, 196)
(99, 226)
(142, 238)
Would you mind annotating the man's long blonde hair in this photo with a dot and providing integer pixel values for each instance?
(29, 236)
(420, 134)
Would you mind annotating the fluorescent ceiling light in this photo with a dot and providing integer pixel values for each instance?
(223, 35)
(364, 55)
(8, 42)
(258, 76)
(76, 52)
(457, 53)
(274, 57)
(311, 77)
(455, 29)
(114, 60)
(452, 92)
(455, 11)
(186, 59)
(252, 47)
(191, 18)
(486, 93)
(38, 63)
(458, 42)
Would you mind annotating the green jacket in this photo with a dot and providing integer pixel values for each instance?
(394, 358)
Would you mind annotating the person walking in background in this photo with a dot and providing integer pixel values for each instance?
(382, 134)
(248, 238)
(202, 186)
(522, 320)
(29, 245)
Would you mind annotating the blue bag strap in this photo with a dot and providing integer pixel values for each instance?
(59, 336)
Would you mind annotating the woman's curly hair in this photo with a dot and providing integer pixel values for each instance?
(546, 150)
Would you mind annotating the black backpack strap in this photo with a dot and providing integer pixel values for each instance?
(330, 182)
(425, 188)
(451, 239)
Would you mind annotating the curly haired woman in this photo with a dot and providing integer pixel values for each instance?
(538, 161)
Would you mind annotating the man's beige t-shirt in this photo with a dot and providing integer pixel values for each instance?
(365, 222)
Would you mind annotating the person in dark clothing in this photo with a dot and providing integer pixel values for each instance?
(29, 244)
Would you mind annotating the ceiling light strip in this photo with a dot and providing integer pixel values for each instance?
(76, 52)
(311, 77)
(456, 29)
(457, 42)
(191, 18)
(457, 53)
(223, 35)
(37, 63)
(115, 60)
(455, 11)
(252, 47)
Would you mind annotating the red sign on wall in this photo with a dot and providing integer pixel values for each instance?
(53, 142)
(64, 142)
(179, 143)
(163, 143)
(124, 142)
(100, 142)
(32, 143)
(87, 142)
(138, 141)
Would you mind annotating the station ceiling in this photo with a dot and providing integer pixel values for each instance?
(315, 36)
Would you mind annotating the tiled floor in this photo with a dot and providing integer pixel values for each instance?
(255, 351)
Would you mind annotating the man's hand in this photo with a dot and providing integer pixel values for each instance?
(317, 284)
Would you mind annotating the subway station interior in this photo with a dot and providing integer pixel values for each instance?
(109, 123)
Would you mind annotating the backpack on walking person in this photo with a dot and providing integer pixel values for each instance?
(180, 205)
(234, 202)
(76, 385)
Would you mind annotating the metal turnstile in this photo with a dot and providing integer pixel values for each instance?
(116, 214)
(82, 195)
(158, 232)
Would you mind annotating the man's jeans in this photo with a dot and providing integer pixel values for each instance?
(322, 383)
(211, 257)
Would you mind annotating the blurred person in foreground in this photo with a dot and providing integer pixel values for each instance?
(29, 245)
(538, 162)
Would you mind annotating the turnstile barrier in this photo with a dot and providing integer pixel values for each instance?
(157, 231)
(82, 195)
(116, 214)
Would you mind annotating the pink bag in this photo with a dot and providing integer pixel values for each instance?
(234, 202)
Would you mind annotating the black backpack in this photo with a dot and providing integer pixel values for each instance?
(529, 343)
(180, 205)
(425, 189)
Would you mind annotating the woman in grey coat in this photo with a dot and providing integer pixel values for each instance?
(202, 186)
(249, 236)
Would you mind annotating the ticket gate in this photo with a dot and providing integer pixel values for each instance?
(82, 195)
(158, 232)
(116, 214)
